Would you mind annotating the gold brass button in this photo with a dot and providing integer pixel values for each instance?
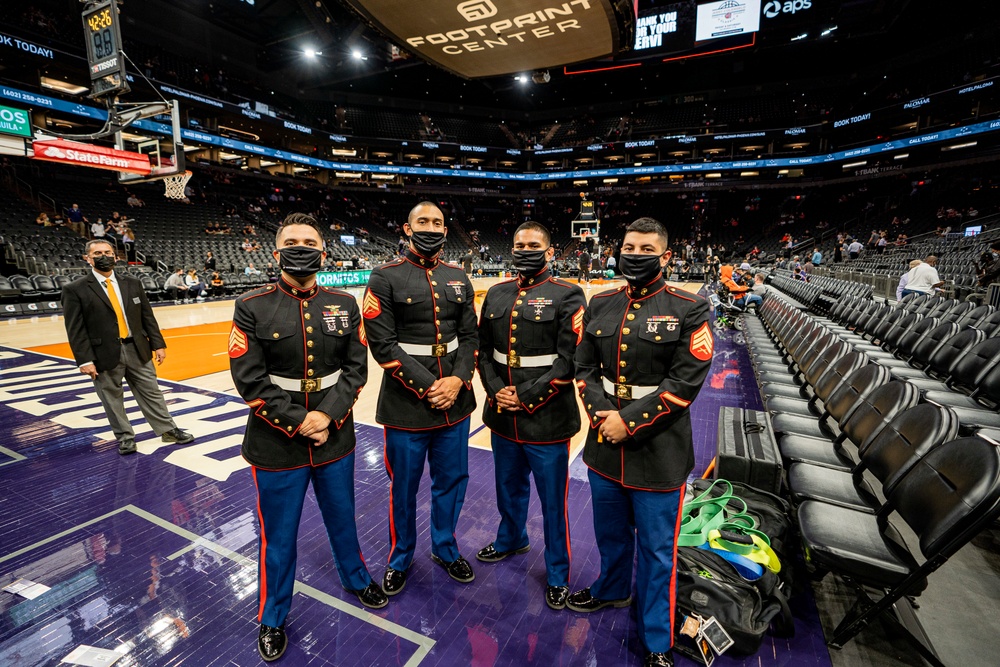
(305, 304)
(531, 405)
(307, 316)
(513, 313)
(276, 421)
(659, 407)
(513, 340)
(309, 343)
(310, 372)
(459, 299)
(436, 295)
(538, 317)
(631, 424)
(513, 327)
(624, 347)
(645, 415)
(409, 300)
(263, 413)
(434, 282)
(598, 332)
(622, 363)
(523, 293)
(531, 282)
(659, 337)
(439, 336)
(518, 302)
(626, 331)
(621, 378)
(411, 381)
(630, 316)
(589, 406)
(309, 329)
(637, 306)
(437, 309)
(309, 358)
(550, 391)
(643, 291)
(277, 335)
(340, 331)
(288, 428)
(430, 272)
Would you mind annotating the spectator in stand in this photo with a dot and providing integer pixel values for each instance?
(250, 270)
(759, 288)
(175, 286)
(271, 273)
(248, 246)
(901, 240)
(881, 243)
(467, 262)
(731, 279)
(788, 246)
(43, 220)
(923, 278)
(817, 257)
(838, 250)
(797, 274)
(76, 216)
(209, 261)
(904, 279)
(98, 230)
(134, 202)
(128, 242)
(217, 283)
(195, 285)
(854, 249)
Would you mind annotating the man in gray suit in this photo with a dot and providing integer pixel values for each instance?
(114, 336)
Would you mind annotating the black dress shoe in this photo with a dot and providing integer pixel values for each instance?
(393, 581)
(459, 570)
(585, 602)
(178, 436)
(372, 596)
(271, 642)
(126, 448)
(555, 596)
(489, 554)
(659, 660)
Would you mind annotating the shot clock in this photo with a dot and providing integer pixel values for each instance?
(104, 49)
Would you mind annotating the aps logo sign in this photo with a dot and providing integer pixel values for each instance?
(775, 7)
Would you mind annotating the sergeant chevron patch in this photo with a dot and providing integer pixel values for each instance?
(237, 343)
(702, 343)
(372, 306)
(578, 325)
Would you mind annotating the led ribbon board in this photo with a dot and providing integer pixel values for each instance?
(481, 38)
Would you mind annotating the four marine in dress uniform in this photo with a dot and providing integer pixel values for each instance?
(639, 356)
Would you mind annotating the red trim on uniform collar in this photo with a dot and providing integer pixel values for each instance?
(533, 281)
(297, 292)
(416, 258)
(655, 287)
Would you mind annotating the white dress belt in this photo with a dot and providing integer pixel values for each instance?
(628, 391)
(424, 350)
(515, 361)
(307, 385)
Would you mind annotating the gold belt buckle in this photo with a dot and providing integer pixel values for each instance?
(513, 360)
(623, 391)
(439, 350)
(309, 385)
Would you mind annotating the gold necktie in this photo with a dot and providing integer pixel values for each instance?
(122, 326)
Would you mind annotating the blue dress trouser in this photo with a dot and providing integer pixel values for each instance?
(549, 464)
(446, 449)
(280, 496)
(623, 516)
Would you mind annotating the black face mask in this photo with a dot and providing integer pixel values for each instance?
(300, 261)
(427, 243)
(640, 270)
(530, 262)
(104, 263)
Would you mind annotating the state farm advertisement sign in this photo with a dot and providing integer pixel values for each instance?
(86, 155)
(479, 38)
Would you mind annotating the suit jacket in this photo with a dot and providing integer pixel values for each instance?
(93, 329)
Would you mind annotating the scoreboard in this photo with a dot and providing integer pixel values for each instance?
(104, 49)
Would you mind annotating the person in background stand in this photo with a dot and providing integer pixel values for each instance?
(528, 334)
(209, 261)
(584, 261)
(421, 319)
(298, 358)
(467, 262)
(646, 350)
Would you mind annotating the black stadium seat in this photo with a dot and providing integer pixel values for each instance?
(46, 287)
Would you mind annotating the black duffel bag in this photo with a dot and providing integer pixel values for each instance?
(709, 585)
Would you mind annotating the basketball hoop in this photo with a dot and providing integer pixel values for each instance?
(176, 184)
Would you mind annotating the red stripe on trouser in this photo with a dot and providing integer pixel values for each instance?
(569, 549)
(388, 469)
(673, 570)
(262, 584)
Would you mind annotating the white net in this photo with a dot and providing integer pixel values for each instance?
(176, 184)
